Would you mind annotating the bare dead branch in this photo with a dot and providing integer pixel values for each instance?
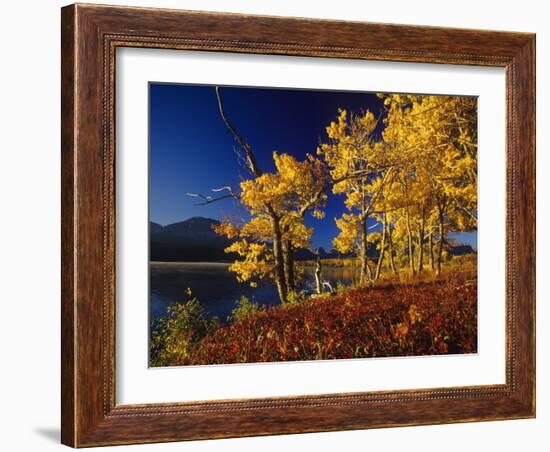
(199, 195)
(210, 199)
(250, 158)
(227, 187)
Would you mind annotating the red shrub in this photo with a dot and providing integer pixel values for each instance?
(427, 319)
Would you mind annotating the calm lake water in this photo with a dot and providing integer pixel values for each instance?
(216, 287)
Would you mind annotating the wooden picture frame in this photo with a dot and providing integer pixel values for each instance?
(90, 36)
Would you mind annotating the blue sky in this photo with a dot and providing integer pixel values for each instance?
(192, 151)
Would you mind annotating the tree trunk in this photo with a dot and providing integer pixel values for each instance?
(390, 249)
(318, 269)
(382, 250)
(288, 259)
(421, 227)
(410, 243)
(365, 269)
(280, 280)
(431, 245)
(441, 241)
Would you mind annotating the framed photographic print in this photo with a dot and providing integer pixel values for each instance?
(278, 225)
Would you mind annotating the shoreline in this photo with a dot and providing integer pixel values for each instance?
(187, 263)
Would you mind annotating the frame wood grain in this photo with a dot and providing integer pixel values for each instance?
(90, 35)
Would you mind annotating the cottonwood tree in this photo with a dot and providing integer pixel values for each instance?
(361, 168)
(439, 136)
(277, 203)
(417, 181)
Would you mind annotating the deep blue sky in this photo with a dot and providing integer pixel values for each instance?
(192, 151)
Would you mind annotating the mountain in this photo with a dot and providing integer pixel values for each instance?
(304, 254)
(460, 250)
(154, 227)
(192, 240)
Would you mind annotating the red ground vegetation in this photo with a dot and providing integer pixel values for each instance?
(430, 318)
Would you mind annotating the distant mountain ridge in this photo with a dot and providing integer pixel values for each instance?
(154, 227)
(194, 240)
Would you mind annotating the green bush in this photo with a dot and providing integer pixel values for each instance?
(244, 308)
(341, 287)
(294, 298)
(174, 336)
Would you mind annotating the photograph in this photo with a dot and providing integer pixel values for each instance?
(298, 224)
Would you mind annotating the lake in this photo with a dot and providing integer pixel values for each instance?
(217, 288)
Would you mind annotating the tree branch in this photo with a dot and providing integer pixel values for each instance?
(361, 174)
(250, 158)
(466, 211)
(210, 199)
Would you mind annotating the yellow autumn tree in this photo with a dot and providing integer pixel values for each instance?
(438, 134)
(277, 203)
(415, 181)
(360, 168)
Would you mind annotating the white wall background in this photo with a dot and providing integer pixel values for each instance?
(29, 234)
